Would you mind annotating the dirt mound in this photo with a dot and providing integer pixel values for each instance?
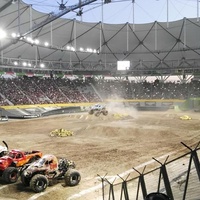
(100, 145)
(110, 129)
(113, 116)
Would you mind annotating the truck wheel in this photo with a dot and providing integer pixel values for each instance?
(91, 112)
(10, 175)
(39, 183)
(25, 181)
(105, 112)
(97, 113)
(72, 177)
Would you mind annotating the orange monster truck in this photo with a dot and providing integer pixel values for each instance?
(11, 164)
(48, 171)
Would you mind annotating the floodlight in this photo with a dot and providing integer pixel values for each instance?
(15, 63)
(24, 64)
(72, 49)
(2, 34)
(14, 35)
(42, 65)
(29, 39)
(46, 44)
(37, 41)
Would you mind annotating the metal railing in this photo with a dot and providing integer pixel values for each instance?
(178, 178)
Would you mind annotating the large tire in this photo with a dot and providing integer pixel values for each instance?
(72, 177)
(91, 112)
(97, 113)
(10, 175)
(25, 181)
(39, 183)
(105, 112)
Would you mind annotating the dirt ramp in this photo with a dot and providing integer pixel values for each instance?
(110, 117)
(104, 131)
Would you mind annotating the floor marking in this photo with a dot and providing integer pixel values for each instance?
(2, 187)
(41, 194)
(84, 192)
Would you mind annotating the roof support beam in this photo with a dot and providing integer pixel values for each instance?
(6, 5)
(47, 21)
(60, 14)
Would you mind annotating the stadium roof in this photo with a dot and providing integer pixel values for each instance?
(75, 45)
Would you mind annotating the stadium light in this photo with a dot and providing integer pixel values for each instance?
(14, 35)
(15, 63)
(42, 65)
(37, 41)
(46, 44)
(24, 64)
(3, 34)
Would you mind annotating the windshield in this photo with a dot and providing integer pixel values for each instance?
(12, 155)
(39, 163)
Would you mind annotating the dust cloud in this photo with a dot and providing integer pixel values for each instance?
(120, 108)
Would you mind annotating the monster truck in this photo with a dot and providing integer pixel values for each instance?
(98, 109)
(12, 163)
(48, 170)
(3, 149)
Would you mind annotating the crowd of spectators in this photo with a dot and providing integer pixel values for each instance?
(35, 90)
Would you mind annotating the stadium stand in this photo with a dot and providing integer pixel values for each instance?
(19, 91)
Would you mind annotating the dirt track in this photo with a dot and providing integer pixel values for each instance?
(100, 145)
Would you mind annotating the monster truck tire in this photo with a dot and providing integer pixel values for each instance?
(97, 113)
(10, 175)
(39, 183)
(72, 177)
(91, 112)
(25, 181)
(105, 112)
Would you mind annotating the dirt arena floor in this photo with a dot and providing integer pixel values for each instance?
(101, 145)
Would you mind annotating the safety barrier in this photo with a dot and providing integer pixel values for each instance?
(178, 178)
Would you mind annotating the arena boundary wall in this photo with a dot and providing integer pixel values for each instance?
(39, 110)
(131, 102)
(178, 178)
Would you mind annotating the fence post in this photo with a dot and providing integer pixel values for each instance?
(194, 157)
(142, 182)
(102, 181)
(163, 172)
(111, 190)
(124, 188)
